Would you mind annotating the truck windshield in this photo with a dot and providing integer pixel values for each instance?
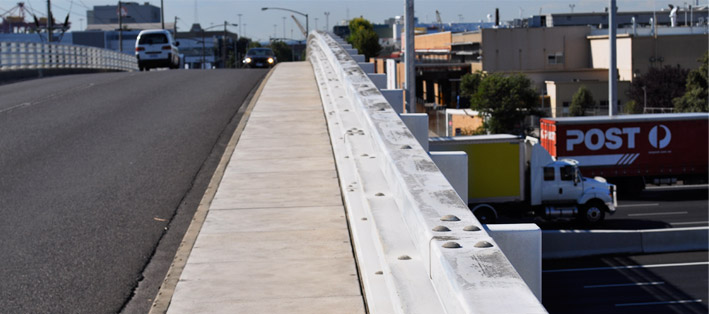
(578, 173)
(567, 173)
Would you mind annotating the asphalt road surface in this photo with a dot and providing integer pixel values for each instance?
(656, 283)
(657, 207)
(93, 170)
(675, 206)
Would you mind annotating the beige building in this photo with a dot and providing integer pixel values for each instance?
(637, 53)
(562, 92)
(557, 59)
(527, 49)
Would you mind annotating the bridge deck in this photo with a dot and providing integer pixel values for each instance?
(276, 238)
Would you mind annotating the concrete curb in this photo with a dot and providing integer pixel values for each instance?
(579, 243)
(167, 289)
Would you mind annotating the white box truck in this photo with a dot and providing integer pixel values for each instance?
(517, 176)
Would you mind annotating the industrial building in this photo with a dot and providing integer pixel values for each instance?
(132, 12)
(558, 59)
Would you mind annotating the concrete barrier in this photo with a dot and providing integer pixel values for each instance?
(579, 243)
(418, 246)
(395, 97)
(454, 166)
(366, 66)
(417, 123)
(379, 80)
(522, 244)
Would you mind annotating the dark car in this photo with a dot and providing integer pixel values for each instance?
(259, 58)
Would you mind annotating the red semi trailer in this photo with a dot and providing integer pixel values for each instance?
(632, 150)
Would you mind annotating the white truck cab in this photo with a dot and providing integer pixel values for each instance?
(563, 184)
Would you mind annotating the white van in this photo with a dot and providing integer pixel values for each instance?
(156, 48)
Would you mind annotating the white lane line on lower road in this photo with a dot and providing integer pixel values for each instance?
(633, 284)
(638, 205)
(657, 214)
(689, 223)
(624, 267)
(661, 303)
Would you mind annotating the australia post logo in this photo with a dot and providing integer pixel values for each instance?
(655, 139)
(595, 139)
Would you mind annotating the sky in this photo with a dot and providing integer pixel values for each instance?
(262, 25)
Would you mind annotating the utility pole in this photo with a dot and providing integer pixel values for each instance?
(327, 21)
(409, 58)
(612, 68)
(120, 26)
(203, 49)
(162, 15)
(49, 21)
(240, 32)
(224, 47)
(174, 27)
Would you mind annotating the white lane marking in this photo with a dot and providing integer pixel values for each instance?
(658, 214)
(624, 267)
(654, 283)
(639, 205)
(661, 303)
(689, 223)
(24, 104)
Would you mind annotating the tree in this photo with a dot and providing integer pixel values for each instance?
(695, 98)
(469, 83)
(505, 101)
(581, 101)
(662, 85)
(231, 60)
(282, 51)
(254, 44)
(632, 107)
(364, 38)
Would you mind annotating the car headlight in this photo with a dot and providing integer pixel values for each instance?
(247, 60)
(270, 60)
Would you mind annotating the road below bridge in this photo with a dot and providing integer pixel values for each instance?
(94, 169)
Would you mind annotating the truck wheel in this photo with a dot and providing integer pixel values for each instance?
(592, 213)
(485, 213)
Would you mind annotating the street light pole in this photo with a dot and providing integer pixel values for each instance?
(327, 21)
(644, 99)
(224, 47)
(203, 49)
(120, 26)
(409, 58)
(49, 21)
(240, 32)
(307, 22)
(162, 15)
(612, 67)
